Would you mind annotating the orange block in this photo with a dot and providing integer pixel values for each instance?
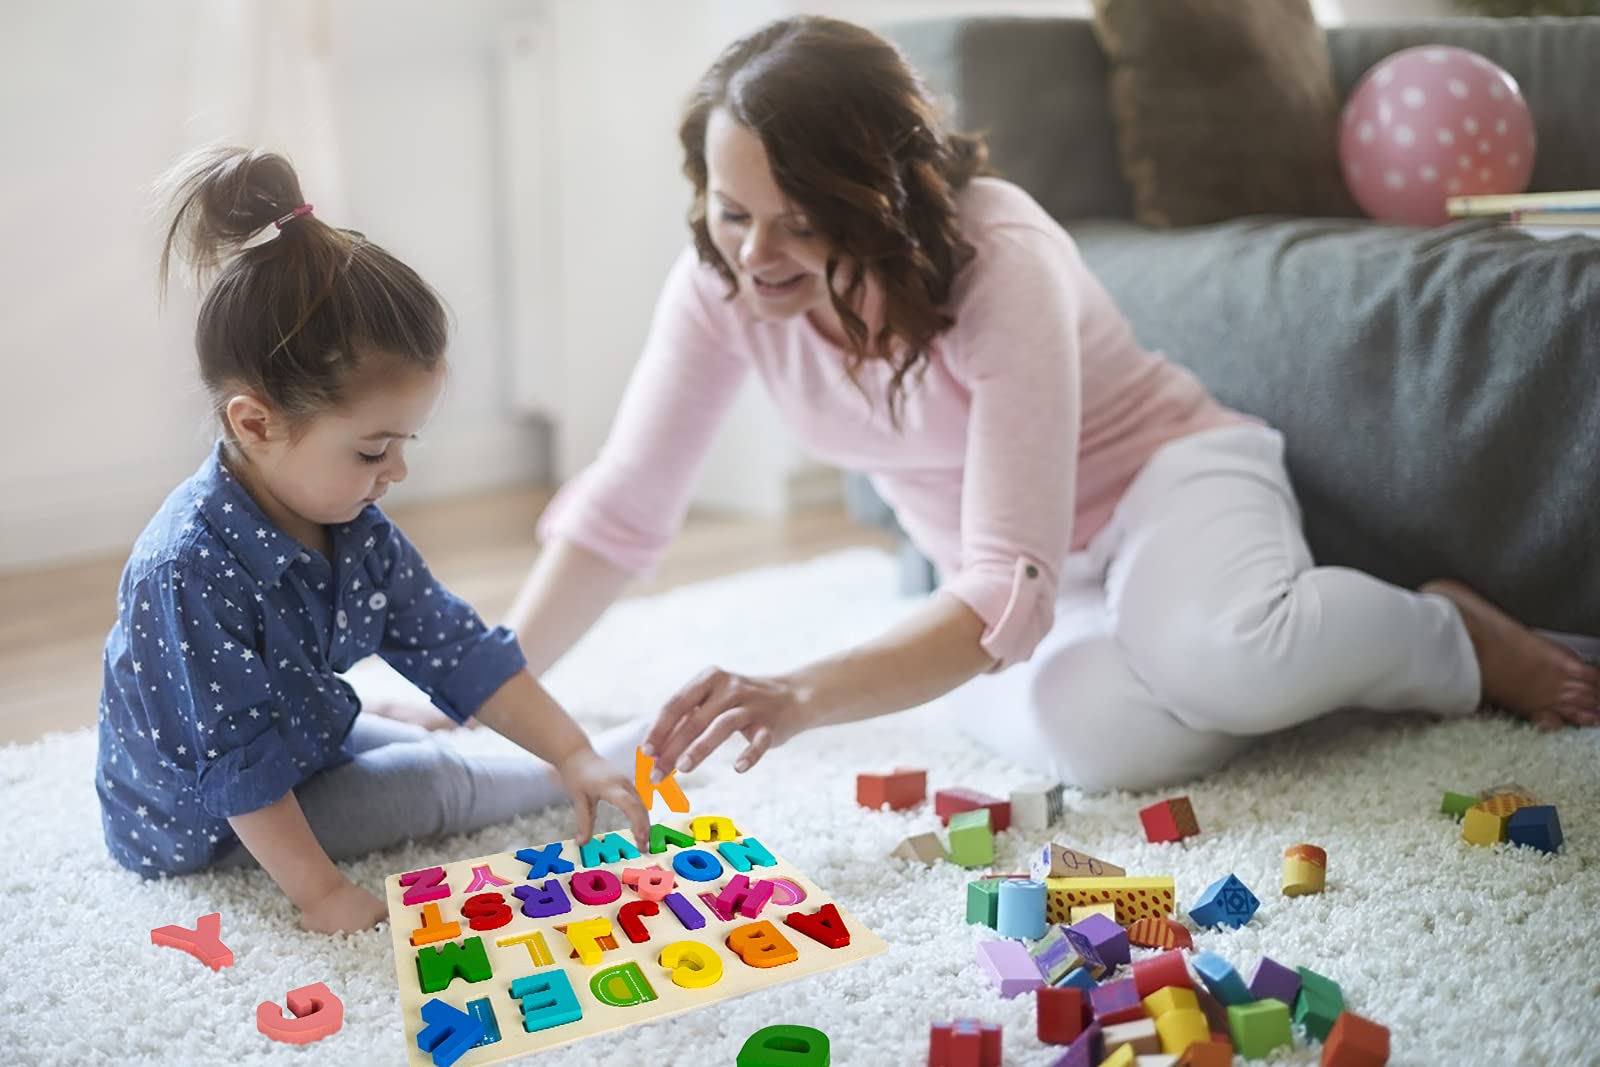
(1207, 1054)
(901, 789)
(1159, 933)
(668, 787)
(1355, 1041)
(317, 1013)
(761, 945)
(433, 928)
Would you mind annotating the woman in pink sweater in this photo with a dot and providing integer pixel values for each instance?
(1127, 598)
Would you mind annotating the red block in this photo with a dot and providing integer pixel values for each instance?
(1159, 972)
(1063, 1013)
(1213, 1053)
(1169, 820)
(1355, 1042)
(964, 1043)
(900, 789)
(948, 802)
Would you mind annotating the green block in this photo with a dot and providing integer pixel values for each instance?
(1259, 1027)
(1318, 1005)
(662, 836)
(983, 901)
(785, 1046)
(1456, 804)
(438, 967)
(971, 842)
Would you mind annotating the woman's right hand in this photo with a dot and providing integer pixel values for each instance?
(347, 909)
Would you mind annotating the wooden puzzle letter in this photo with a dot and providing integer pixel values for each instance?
(662, 836)
(584, 935)
(448, 1032)
(486, 911)
(608, 849)
(317, 1012)
(628, 919)
(203, 942)
(785, 1046)
(668, 787)
(543, 902)
(482, 876)
(742, 855)
(621, 986)
(438, 967)
(697, 865)
(746, 898)
(685, 911)
(426, 885)
(651, 883)
(823, 926)
(694, 965)
(759, 944)
(595, 887)
(713, 828)
(433, 928)
(547, 1000)
(483, 1011)
(543, 862)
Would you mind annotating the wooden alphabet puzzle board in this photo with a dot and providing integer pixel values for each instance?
(499, 937)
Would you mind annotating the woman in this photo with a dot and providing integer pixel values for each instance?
(1127, 595)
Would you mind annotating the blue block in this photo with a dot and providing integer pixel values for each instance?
(1078, 978)
(449, 1032)
(547, 1000)
(1220, 977)
(1020, 913)
(1537, 827)
(1225, 902)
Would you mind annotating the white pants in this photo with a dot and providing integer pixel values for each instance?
(1195, 621)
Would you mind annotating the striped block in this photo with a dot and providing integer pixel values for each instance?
(1135, 898)
(1159, 933)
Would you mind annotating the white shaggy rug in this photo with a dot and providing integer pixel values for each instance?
(1469, 955)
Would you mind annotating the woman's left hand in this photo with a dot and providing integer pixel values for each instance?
(767, 710)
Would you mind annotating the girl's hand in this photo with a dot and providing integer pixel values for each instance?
(591, 779)
(767, 711)
(347, 909)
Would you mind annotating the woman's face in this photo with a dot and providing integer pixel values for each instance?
(767, 242)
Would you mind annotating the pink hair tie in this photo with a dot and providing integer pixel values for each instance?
(303, 209)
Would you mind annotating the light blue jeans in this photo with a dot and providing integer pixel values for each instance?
(405, 784)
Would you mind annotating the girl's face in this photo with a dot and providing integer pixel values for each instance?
(767, 242)
(341, 461)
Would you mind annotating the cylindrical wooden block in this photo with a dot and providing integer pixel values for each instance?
(1021, 909)
(1305, 869)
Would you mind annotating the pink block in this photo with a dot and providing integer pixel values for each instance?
(1009, 966)
(651, 883)
(747, 898)
(426, 885)
(317, 1011)
(204, 942)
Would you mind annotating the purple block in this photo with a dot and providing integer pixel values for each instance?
(1110, 941)
(691, 919)
(542, 902)
(1087, 1051)
(1274, 980)
(1009, 966)
(1084, 947)
(1116, 1002)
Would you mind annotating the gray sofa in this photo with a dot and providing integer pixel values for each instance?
(1439, 389)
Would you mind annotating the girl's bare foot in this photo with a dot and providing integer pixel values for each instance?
(1526, 674)
(424, 715)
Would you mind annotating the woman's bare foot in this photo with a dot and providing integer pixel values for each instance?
(417, 714)
(1526, 674)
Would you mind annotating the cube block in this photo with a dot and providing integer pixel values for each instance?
(971, 841)
(983, 901)
(1109, 941)
(1225, 902)
(1137, 1034)
(1116, 1002)
(1182, 1028)
(1537, 827)
(1037, 806)
(1355, 1042)
(1054, 955)
(1062, 1015)
(1169, 820)
(1319, 1003)
(1164, 970)
(1222, 980)
(1172, 998)
(1260, 1027)
(964, 1043)
(1274, 980)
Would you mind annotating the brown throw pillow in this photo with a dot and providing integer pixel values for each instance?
(1223, 108)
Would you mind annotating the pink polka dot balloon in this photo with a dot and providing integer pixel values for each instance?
(1429, 123)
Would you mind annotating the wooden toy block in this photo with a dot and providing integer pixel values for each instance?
(825, 926)
(964, 1043)
(1123, 1056)
(1084, 949)
(1537, 827)
(1483, 827)
(785, 1045)
(425, 885)
(740, 895)
(1109, 941)
(486, 911)
(921, 848)
(542, 862)
(1207, 1054)
(1273, 979)
(1182, 1027)
(434, 928)
(1137, 1034)
(1020, 913)
(546, 1000)
(1083, 911)
(1054, 955)
(438, 967)
(1037, 806)
(448, 1032)
(949, 802)
(971, 840)
(1160, 1059)
(1160, 933)
(1260, 1027)
(1061, 1015)
(900, 789)
(1509, 788)
(204, 942)
(1225, 902)
(1221, 979)
(317, 1013)
(1009, 967)
(1318, 1005)
(1455, 805)
(1215, 1011)
(983, 901)
(1165, 970)
(1116, 1002)
(668, 787)
(1305, 870)
(1169, 820)
(1087, 1051)
(693, 964)
(1169, 999)
(745, 856)
(1135, 898)
(1059, 861)
(1078, 978)
(661, 837)
(1355, 1041)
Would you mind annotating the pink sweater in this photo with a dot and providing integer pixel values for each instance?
(1034, 412)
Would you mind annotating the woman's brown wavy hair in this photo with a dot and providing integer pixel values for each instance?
(855, 142)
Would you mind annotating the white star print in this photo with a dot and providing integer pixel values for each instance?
(211, 753)
(141, 811)
(247, 655)
(216, 687)
(255, 713)
(183, 750)
(261, 533)
(137, 667)
(227, 509)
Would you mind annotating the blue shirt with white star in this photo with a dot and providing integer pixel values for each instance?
(222, 673)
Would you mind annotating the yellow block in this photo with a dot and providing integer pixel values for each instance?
(1170, 998)
(1123, 1057)
(1305, 870)
(1135, 898)
(1180, 1029)
(1083, 911)
(1483, 826)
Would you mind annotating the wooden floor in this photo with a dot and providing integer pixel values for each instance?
(55, 620)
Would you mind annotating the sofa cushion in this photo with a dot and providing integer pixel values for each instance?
(1439, 389)
(1224, 108)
